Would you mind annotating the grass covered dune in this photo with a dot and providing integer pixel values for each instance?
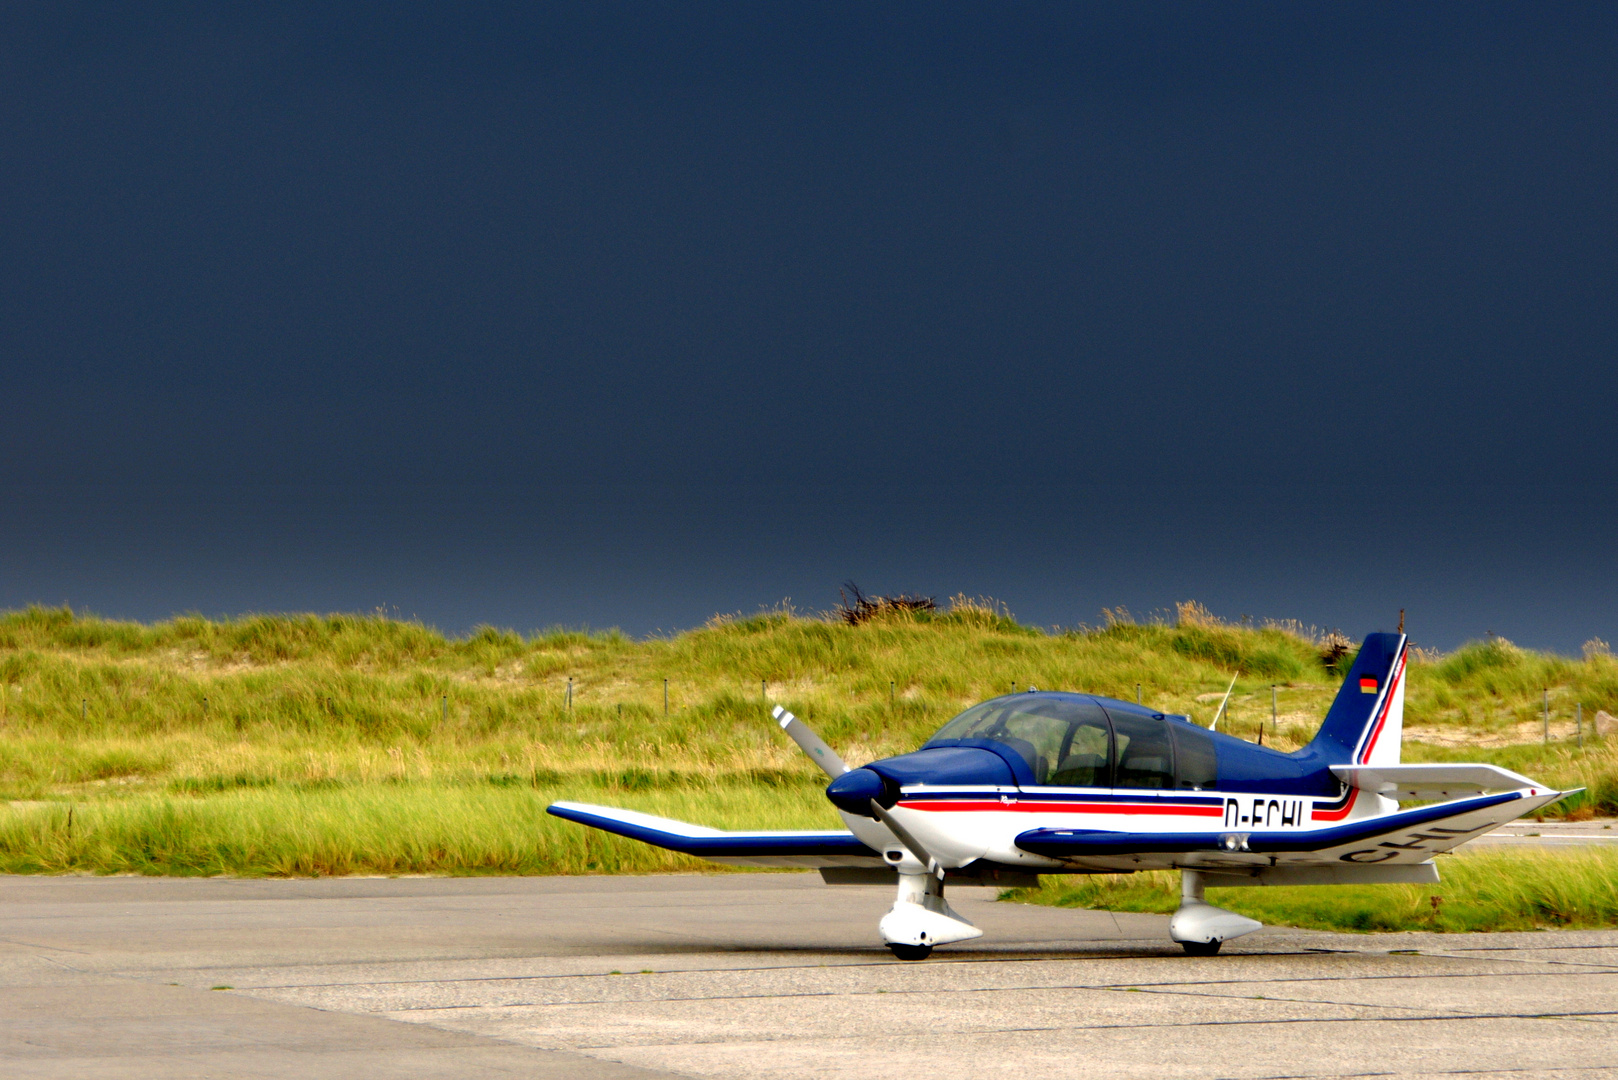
(359, 744)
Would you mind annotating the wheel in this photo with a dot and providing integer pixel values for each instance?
(1201, 948)
(911, 952)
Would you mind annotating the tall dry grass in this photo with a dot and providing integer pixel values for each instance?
(204, 724)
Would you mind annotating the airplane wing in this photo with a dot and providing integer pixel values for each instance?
(806, 849)
(1407, 836)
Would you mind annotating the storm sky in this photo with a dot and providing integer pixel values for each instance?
(628, 314)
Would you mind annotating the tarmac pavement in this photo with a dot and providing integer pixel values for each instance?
(746, 976)
(1553, 833)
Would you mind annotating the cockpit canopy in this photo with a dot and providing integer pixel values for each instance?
(1072, 740)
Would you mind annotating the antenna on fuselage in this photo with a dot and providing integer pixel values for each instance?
(1215, 722)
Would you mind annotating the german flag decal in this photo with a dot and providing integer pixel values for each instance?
(1367, 684)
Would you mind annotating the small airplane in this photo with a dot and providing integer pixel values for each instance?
(1063, 783)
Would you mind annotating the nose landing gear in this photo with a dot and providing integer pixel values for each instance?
(920, 918)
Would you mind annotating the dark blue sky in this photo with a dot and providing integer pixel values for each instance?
(627, 314)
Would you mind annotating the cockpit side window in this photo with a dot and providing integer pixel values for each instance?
(1195, 759)
(1085, 759)
(1145, 752)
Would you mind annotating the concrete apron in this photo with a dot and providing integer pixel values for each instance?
(747, 975)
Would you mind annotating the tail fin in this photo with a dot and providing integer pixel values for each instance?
(1366, 722)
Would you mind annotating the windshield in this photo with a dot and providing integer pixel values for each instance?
(1063, 740)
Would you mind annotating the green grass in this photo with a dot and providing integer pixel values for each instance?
(1484, 891)
(344, 743)
(420, 828)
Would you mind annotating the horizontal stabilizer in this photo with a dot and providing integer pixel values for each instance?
(800, 849)
(1433, 781)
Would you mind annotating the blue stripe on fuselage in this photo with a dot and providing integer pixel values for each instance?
(1067, 796)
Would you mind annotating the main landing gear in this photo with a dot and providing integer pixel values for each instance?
(1198, 926)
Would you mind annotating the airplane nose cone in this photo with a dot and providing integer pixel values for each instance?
(854, 790)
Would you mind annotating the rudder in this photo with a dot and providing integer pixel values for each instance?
(1365, 724)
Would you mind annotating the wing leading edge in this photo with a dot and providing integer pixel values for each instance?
(805, 849)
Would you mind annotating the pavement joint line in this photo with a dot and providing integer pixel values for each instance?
(918, 968)
(1198, 1025)
(1593, 1069)
(1286, 1000)
(1309, 1076)
(1536, 1070)
(1159, 951)
(1353, 978)
(723, 997)
(832, 993)
(1301, 1001)
(1164, 986)
(881, 963)
(878, 963)
(1601, 968)
(1531, 948)
(873, 993)
(1608, 967)
(991, 990)
(46, 948)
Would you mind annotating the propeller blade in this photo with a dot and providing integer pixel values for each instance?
(812, 744)
(910, 842)
(827, 759)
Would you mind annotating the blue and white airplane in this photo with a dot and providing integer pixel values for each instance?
(1060, 783)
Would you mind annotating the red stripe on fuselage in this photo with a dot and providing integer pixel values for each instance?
(1336, 815)
(1032, 807)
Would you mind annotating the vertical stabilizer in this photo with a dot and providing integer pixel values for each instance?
(1366, 723)
(1385, 750)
